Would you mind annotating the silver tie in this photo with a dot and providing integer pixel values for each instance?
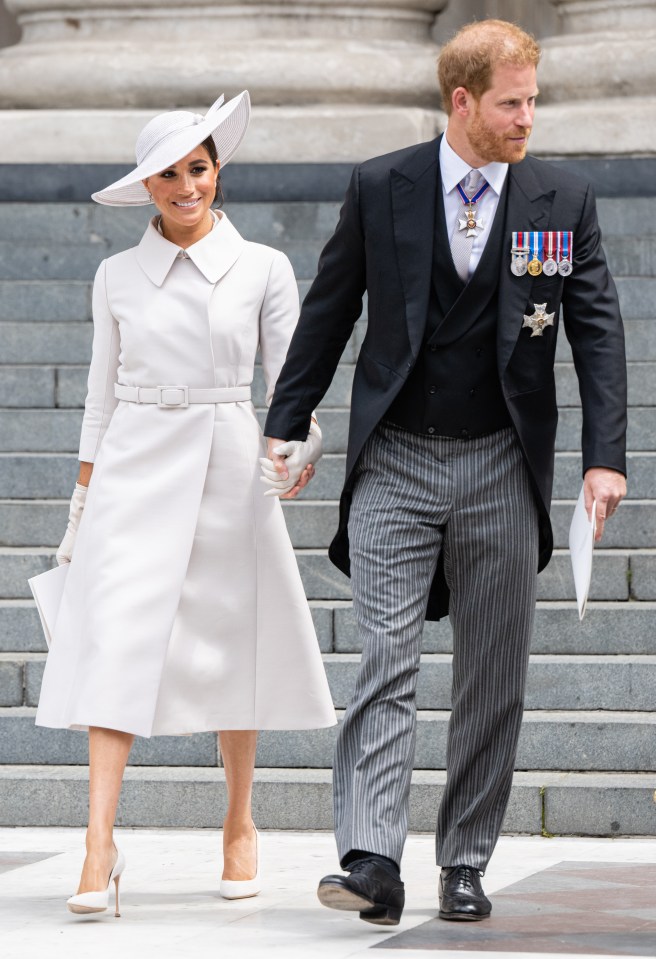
(461, 244)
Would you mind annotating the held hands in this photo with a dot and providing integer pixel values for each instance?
(65, 551)
(290, 465)
(608, 488)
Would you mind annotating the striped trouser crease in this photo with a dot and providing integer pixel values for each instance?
(413, 497)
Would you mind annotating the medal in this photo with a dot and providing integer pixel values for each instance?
(548, 252)
(519, 264)
(519, 254)
(539, 320)
(565, 265)
(471, 221)
(535, 265)
(550, 267)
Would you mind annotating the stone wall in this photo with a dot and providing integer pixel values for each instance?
(539, 18)
(9, 30)
(329, 83)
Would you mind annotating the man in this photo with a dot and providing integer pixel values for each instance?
(467, 249)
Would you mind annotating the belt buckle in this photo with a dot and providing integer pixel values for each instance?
(169, 403)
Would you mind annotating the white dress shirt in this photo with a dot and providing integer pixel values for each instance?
(453, 169)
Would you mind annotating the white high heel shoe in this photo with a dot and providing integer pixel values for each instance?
(86, 902)
(243, 888)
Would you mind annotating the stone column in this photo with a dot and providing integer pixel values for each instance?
(598, 80)
(328, 81)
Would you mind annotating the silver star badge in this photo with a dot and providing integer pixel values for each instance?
(539, 320)
(470, 222)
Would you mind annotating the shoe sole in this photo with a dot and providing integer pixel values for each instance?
(462, 916)
(337, 897)
(382, 916)
(85, 910)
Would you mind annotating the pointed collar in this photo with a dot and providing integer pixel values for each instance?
(454, 169)
(213, 255)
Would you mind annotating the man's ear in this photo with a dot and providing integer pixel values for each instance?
(461, 101)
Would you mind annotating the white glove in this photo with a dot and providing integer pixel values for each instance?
(298, 454)
(65, 551)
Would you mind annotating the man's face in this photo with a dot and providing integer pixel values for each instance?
(500, 122)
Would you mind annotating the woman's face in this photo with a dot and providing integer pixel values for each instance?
(184, 192)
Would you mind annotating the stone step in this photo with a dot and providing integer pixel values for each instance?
(574, 740)
(73, 240)
(628, 256)
(631, 255)
(582, 804)
(609, 628)
(69, 298)
(610, 577)
(41, 301)
(66, 339)
(58, 431)
(65, 387)
(274, 223)
(79, 261)
(625, 216)
(313, 524)
(69, 342)
(268, 221)
(52, 475)
(618, 216)
(554, 682)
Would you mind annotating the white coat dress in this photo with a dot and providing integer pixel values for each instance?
(183, 609)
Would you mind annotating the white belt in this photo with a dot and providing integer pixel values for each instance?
(170, 397)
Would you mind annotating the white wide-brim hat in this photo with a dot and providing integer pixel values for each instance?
(169, 137)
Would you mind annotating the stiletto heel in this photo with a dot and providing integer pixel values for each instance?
(244, 888)
(86, 902)
(117, 913)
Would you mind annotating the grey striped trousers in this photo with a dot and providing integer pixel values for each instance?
(413, 497)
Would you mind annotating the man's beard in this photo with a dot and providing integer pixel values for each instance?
(494, 147)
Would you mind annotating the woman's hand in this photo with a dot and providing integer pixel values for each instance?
(290, 465)
(65, 551)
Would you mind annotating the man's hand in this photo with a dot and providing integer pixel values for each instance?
(276, 468)
(608, 489)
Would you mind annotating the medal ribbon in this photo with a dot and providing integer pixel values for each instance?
(537, 246)
(470, 202)
(519, 244)
(565, 238)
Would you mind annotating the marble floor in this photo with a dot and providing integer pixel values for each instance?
(551, 897)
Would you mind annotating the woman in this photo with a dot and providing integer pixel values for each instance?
(183, 609)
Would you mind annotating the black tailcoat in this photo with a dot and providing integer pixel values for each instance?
(383, 244)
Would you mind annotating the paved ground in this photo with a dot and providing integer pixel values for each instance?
(551, 897)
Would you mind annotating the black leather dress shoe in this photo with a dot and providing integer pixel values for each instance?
(369, 889)
(461, 894)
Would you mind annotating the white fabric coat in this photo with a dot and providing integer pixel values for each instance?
(183, 609)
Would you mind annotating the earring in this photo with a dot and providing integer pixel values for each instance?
(150, 196)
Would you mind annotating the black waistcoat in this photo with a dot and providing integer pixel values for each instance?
(454, 388)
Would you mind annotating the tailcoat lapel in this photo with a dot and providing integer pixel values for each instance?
(528, 208)
(413, 183)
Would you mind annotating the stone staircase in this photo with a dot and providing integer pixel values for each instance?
(587, 756)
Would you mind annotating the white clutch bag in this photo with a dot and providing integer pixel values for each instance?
(47, 589)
